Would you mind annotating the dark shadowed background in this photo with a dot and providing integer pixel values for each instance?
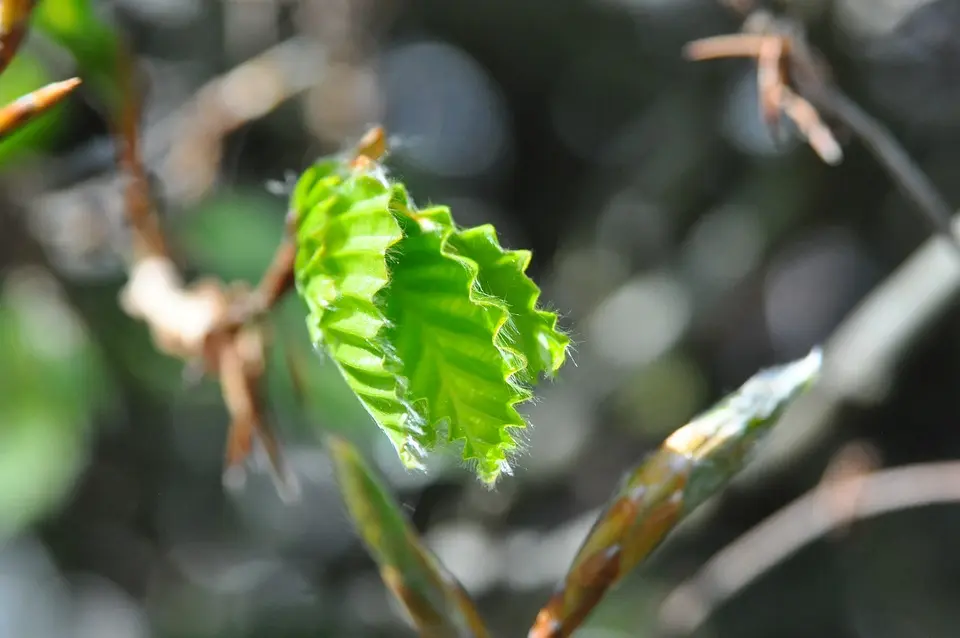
(682, 246)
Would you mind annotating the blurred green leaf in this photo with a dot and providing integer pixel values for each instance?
(693, 463)
(95, 45)
(51, 383)
(436, 603)
(656, 397)
(233, 235)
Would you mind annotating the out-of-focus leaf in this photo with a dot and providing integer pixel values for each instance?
(75, 25)
(436, 603)
(51, 382)
(234, 235)
(692, 464)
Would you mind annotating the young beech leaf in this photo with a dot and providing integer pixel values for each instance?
(502, 274)
(435, 328)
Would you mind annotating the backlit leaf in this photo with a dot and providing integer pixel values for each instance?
(435, 328)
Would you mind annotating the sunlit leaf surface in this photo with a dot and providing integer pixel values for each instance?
(435, 328)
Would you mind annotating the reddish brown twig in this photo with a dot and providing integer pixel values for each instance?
(278, 278)
(771, 52)
(371, 147)
(208, 322)
(228, 102)
(149, 240)
(793, 81)
(215, 328)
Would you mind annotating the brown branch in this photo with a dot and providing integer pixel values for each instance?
(807, 74)
(805, 520)
(278, 278)
(793, 80)
(182, 147)
(149, 240)
(207, 322)
(772, 50)
(192, 137)
(217, 329)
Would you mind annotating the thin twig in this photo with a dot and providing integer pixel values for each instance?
(805, 520)
(792, 79)
(180, 149)
(214, 324)
(806, 73)
(276, 282)
(215, 328)
(148, 235)
(191, 139)
(912, 182)
(864, 353)
(772, 49)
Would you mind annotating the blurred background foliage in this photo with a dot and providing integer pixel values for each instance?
(683, 247)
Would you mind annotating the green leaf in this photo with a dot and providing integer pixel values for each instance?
(53, 383)
(433, 599)
(248, 221)
(693, 463)
(77, 26)
(503, 275)
(436, 329)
